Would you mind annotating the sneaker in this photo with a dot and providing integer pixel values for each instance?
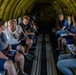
(24, 74)
(31, 52)
(29, 55)
(34, 57)
(27, 58)
(57, 50)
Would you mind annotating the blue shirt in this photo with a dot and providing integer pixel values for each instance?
(3, 42)
(63, 23)
(73, 29)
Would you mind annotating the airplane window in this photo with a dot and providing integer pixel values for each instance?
(19, 20)
(6, 23)
(69, 19)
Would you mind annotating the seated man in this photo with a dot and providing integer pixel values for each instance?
(63, 24)
(13, 33)
(6, 60)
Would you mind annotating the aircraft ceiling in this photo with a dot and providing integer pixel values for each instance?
(16, 8)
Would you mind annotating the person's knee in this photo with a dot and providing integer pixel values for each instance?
(59, 64)
(8, 65)
(59, 39)
(60, 57)
(64, 41)
(29, 42)
(19, 47)
(57, 32)
(19, 57)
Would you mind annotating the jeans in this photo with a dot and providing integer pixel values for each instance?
(66, 63)
(59, 32)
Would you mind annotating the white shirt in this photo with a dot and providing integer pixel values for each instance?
(13, 37)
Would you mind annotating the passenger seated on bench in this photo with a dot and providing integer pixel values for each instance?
(13, 33)
(62, 25)
(66, 62)
(33, 26)
(27, 27)
(6, 60)
(68, 39)
(28, 30)
(31, 20)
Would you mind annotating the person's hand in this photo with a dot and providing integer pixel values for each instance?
(10, 53)
(67, 32)
(9, 47)
(57, 27)
(29, 31)
(54, 31)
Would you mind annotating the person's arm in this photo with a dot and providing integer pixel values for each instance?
(57, 27)
(33, 24)
(9, 47)
(63, 27)
(69, 33)
(3, 56)
(21, 33)
(29, 33)
(22, 36)
(65, 24)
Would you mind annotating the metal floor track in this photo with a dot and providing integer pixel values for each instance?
(44, 63)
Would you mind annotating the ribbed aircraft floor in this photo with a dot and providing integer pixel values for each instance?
(44, 63)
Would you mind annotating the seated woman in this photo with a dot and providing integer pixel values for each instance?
(66, 62)
(32, 26)
(68, 39)
(27, 27)
(6, 60)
